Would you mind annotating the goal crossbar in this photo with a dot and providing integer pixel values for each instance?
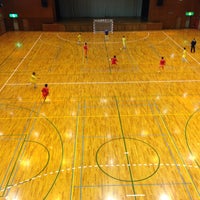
(100, 25)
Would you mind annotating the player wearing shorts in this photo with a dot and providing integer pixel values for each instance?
(45, 91)
(124, 42)
(33, 79)
(162, 63)
(85, 47)
(106, 32)
(184, 55)
(193, 44)
(114, 60)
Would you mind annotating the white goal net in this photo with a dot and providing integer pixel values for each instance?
(100, 25)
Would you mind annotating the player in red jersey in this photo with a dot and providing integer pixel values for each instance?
(114, 60)
(162, 63)
(85, 47)
(45, 91)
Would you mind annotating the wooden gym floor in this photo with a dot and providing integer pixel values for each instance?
(106, 132)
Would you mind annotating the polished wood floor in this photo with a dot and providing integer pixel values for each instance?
(105, 132)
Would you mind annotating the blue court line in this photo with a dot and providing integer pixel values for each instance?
(62, 150)
(180, 156)
(136, 184)
(82, 148)
(23, 147)
(151, 46)
(54, 58)
(8, 137)
(132, 58)
(16, 154)
(109, 66)
(168, 146)
(10, 164)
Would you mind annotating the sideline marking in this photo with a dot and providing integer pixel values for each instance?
(180, 47)
(20, 63)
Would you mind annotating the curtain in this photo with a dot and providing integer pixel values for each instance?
(100, 8)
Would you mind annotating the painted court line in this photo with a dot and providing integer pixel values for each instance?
(108, 82)
(89, 166)
(20, 63)
(180, 47)
(135, 195)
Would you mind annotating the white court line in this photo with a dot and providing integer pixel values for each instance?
(131, 41)
(181, 47)
(110, 83)
(19, 64)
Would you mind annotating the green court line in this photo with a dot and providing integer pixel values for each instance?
(48, 153)
(128, 165)
(15, 164)
(126, 150)
(180, 156)
(107, 57)
(103, 116)
(23, 147)
(186, 137)
(74, 152)
(9, 166)
(62, 156)
(17, 152)
(59, 134)
(168, 147)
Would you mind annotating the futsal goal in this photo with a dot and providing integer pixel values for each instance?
(100, 25)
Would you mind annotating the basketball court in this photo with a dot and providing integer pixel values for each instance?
(105, 132)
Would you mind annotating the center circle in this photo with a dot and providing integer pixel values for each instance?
(136, 154)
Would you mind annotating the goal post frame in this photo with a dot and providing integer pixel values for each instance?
(105, 23)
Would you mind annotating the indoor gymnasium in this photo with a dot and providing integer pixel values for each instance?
(100, 100)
